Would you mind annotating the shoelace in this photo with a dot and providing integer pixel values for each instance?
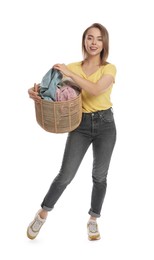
(93, 227)
(37, 224)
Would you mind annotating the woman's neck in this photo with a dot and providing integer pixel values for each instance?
(92, 61)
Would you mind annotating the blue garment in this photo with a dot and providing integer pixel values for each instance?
(49, 84)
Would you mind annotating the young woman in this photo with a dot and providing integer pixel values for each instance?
(95, 76)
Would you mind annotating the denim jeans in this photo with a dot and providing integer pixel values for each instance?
(96, 129)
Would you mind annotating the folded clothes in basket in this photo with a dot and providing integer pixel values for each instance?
(54, 88)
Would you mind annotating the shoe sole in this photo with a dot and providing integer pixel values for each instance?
(92, 238)
(29, 236)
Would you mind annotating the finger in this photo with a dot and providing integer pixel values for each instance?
(37, 99)
(56, 66)
(35, 87)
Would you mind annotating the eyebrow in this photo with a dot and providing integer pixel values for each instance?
(93, 36)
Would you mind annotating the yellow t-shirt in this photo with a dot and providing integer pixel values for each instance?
(95, 103)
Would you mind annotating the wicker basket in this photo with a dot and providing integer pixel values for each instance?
(59, 116)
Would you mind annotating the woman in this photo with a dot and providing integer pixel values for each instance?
(95, 76)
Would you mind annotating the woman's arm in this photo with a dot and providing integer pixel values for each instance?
(94, 89)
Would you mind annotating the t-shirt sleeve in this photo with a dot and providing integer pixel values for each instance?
(110, 69)
(70, 66)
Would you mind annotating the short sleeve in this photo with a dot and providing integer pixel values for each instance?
(110, 69)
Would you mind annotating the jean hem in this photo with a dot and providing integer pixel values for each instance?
(93, 214)
(46, 208)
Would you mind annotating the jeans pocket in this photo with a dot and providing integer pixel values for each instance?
(107, 116)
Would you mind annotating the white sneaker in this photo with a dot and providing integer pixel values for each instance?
(35, 226)
(93, 232)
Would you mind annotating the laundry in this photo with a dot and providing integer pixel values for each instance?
(48, 85)
(54, 87)
(65, 93)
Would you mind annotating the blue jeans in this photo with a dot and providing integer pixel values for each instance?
(98, 129)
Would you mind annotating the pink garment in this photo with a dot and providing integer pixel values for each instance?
(65, 93)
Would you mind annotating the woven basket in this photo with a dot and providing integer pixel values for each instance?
(59, 116)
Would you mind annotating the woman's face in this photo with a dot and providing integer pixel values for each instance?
(93, 42)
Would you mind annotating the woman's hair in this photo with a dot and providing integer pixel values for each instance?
(105, 37)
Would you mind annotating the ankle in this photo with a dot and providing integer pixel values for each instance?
(43, 214)
(93, 219)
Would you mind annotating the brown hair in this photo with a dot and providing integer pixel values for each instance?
(105, 36)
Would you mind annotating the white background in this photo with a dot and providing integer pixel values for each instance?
(34, 35)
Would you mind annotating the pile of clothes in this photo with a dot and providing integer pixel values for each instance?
(54, 87)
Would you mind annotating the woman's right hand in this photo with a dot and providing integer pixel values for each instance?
(34, 93)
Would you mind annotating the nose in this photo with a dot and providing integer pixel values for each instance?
(94, 41)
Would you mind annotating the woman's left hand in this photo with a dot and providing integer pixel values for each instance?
(63, 68)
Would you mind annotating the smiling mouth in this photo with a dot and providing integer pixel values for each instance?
(93, 48)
